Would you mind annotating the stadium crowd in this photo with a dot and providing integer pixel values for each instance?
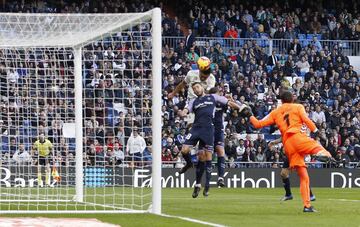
(329, 89)
(248, 19)
(276, 19)
(37, 85)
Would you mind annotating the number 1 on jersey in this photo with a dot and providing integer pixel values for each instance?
(286, 118)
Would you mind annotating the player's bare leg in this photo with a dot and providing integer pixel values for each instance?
(220, 165)
(185, 151)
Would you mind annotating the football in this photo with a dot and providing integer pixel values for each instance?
(203, 63)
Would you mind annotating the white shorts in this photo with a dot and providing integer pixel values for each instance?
(190, 118)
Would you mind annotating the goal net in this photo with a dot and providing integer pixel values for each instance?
(80, 112)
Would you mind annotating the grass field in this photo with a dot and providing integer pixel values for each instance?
(242, 207)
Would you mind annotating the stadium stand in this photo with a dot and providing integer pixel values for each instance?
(305, 48)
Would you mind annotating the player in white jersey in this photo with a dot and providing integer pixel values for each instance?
(203, 74)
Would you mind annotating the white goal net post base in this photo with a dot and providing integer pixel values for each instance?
(45, 59)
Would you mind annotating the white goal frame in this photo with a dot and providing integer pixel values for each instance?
(77, 42)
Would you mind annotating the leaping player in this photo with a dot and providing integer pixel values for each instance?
(207, 81)
(285, 175)
(202, 132)
(289, 118)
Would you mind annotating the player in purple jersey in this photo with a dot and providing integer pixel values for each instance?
(202, 132)
(219, 137)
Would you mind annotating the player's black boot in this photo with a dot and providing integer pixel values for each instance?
(309, 209)
(221, 182)
(188, 165)
(329, 160)
(287, 197)
(206, 191)
(185, 168)
(196, 191)
(312, 198)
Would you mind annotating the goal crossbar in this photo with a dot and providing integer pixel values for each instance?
(80, 34)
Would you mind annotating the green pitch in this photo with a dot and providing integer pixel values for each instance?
(243, 207)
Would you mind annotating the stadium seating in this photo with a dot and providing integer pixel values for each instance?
(226, 73)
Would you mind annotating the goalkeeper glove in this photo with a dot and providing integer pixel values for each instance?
(315, 133)
(246, 112)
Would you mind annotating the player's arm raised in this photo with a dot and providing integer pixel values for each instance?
(178, 88)
(304, 117)
(266, 121)
(187, 109)
(234, 105)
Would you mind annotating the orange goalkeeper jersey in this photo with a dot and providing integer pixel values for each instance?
(289, 118)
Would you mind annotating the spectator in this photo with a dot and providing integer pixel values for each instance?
(230, 150)
(189, 40)
(135, 147)
(221, 26)
(315, 26)
(251, 34)
(240, 150)
(273, 59)
(295, 46)
(352, 156)
(248, 17)
(318, 115)
(260, 142)
(279, 34)
(192, 56)
(22, 156)
(118, 154)
(231, 33)
(260, 155)
(316, 43)
(248, 156)
(303, 65)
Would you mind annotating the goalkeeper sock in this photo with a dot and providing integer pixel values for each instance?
(200, 167)
(221, 166)
(286, 183)
(304, 185)
(208, 173)
(39, 178)
(47, 178)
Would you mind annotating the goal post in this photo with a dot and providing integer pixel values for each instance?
(90, 83)
(156, 109)
(79, 179)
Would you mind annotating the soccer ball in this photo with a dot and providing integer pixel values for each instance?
(203, 63)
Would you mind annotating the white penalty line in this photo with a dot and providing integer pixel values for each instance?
(345, 200)
(193, 220)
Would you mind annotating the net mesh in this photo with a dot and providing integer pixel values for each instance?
(37, 97)
(62, 29)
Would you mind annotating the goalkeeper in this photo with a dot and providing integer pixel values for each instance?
(285, 175)
(43, 151)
